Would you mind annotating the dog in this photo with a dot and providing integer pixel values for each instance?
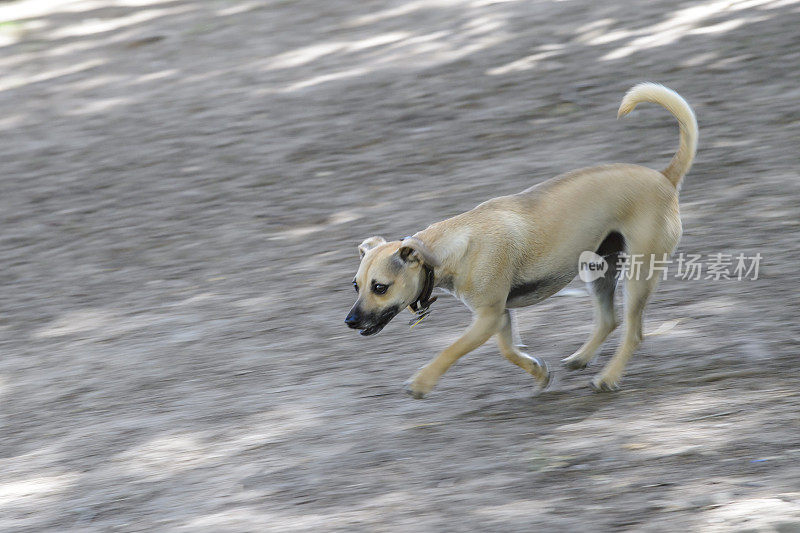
(517, 250)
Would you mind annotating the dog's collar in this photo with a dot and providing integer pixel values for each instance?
(424, 300)
(420, 306)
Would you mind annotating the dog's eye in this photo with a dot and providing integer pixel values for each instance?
(379, 288)
(355, 285)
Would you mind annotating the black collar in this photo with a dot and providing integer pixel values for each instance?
(424, 300)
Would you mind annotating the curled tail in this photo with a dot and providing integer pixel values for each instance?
(658, 94)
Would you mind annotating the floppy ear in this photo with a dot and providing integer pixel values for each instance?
(414, 250)
(369, 244)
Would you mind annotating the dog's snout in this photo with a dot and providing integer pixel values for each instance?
(353, 319)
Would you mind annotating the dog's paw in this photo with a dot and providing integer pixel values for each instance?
(604, 385)
(419, 385)
(543, 377)
(409, 389)
(574, 362)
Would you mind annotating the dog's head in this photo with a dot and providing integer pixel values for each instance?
(389, 279)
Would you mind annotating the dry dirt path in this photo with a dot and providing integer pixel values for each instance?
(183, 188)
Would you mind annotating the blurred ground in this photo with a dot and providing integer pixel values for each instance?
(184, 186)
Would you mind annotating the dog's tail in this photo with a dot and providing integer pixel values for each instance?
(658, 94)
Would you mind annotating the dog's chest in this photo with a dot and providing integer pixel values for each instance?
(527, 293)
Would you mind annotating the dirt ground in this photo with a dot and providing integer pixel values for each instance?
(183, 188)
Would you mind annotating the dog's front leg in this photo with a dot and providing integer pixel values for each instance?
(485, 324)
(533, 365)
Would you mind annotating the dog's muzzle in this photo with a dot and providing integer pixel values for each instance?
(353, 319)
(370, 324)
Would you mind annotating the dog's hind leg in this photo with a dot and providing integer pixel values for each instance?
(652, 243)
(532, 365)
(605, 316)
(637, 291)
(486, 323)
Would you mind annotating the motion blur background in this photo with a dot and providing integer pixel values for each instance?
(183, 188)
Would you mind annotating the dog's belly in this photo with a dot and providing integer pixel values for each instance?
(531, 292)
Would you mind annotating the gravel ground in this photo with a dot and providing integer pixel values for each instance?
(184, 186)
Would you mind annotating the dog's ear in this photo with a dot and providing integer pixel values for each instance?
(369, 244)
(414, 250)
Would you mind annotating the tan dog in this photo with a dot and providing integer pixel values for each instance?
(517, 250)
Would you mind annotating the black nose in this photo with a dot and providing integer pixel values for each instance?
(353, 320)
